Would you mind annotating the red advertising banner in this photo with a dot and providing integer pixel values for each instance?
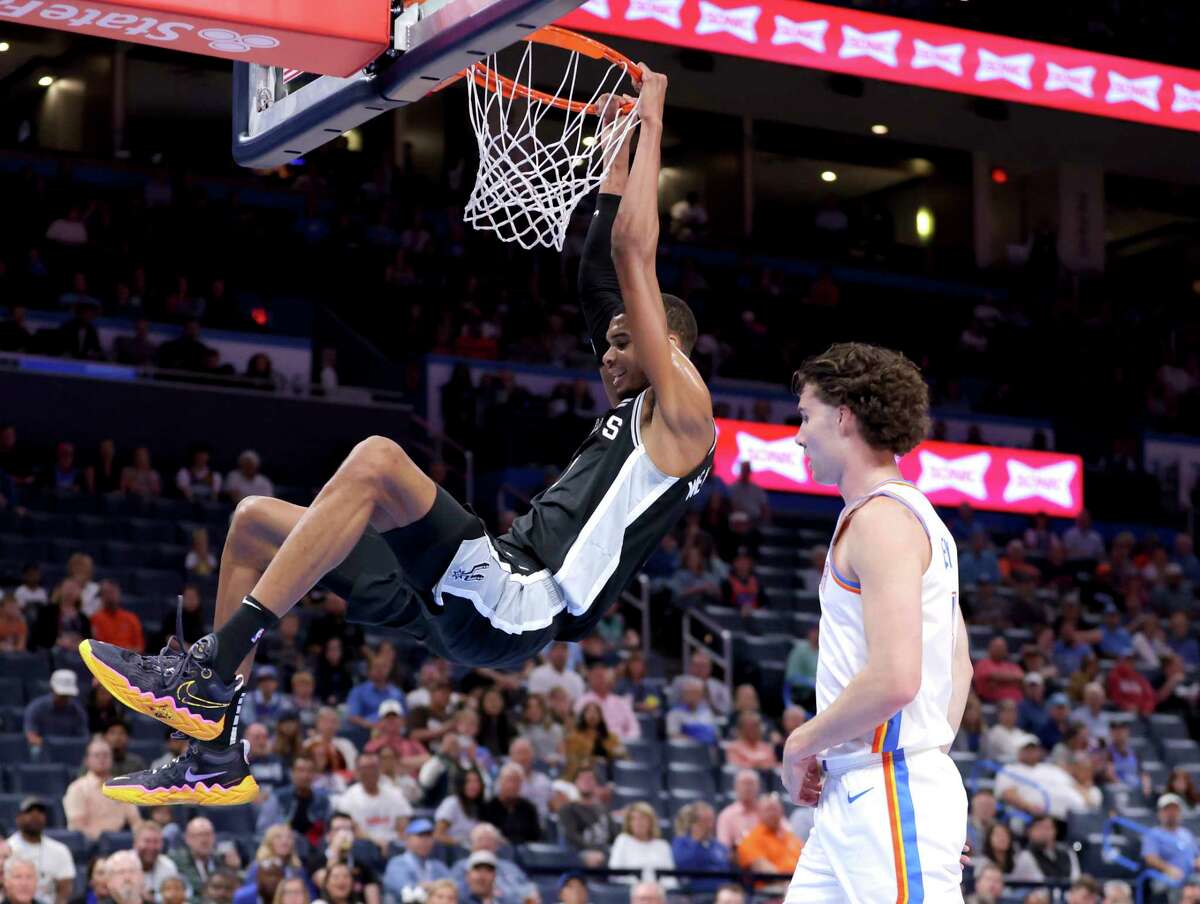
(806, 34)
(310, 35)
(992, 478)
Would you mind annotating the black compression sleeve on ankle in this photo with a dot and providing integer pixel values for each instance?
(232, 732)
(238, 636)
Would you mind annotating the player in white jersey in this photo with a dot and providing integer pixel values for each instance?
(893, 665)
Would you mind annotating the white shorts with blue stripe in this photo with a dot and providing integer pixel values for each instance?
(889, 829)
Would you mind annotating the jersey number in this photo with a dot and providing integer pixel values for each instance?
(612, 427)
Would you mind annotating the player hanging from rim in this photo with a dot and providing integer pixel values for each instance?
(406, 555)
(894, 666)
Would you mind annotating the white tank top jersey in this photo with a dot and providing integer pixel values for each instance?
(842, 651)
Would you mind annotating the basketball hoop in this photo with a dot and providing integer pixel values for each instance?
(539, 153)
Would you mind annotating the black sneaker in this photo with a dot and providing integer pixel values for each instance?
(177, 688)
(202, 775)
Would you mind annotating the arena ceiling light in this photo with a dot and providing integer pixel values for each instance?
(45, 81)
(3, 46)
(879, 129)
(828, 176)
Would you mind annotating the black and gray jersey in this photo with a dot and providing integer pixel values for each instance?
(598, 523)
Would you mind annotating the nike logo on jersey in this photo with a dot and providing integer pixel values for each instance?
(199, 777)
(853, 797)
(694, 485)
(185, 696)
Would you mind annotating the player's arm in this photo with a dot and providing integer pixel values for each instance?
(681, 397)
(961, 672)
(884, 542)
(599, 290)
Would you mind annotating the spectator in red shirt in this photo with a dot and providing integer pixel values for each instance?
(1129, 690)
(996, 678)
(115, 625)
(389, 732)
(1014, 566)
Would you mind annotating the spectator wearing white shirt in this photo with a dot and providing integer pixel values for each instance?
(716, 694)
(618, 711)
(200, 561)
(1004, 739)
(30, 591)
(1082, 541)
(536, 787)
(69, 230)
(381, 812)
(1092, 713)
(749, 498)
(52, 859)
(247, 480)
(641, 846)
(554, 673)
(157, 866)
(1036, 787)
(196, 481)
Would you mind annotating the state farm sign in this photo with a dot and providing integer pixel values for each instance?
(993, 478)
(331, 39)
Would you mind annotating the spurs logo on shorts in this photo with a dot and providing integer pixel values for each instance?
(470, 575)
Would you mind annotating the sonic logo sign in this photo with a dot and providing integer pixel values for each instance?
(993, 478)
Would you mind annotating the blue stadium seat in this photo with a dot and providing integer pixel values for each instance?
(233, 820)
(67, 751)
(143, 728)
(124, 555)
(650, 726)
(1081, 825)
(689, 752)
(762, 649)
(1167, 726)
(46, 780)
(9, 805)
(156, 582)
(766, 623)
(1181, 752)
(93, 527)
(148, 750)
(147, 530)
(13, 747)
(12, 718)
(554, 856)
(76, 843)
(62, 548)
(636, 775)
(691, 778)
(623, 797)
(677, 800)
(607, 894)
(48, 525)
(36, 687)
(27, 665)
(12, 689)
(69, 659)
(170, 556)
(111, 842)
(19, 549)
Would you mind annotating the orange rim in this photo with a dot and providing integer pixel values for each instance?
(553, 36)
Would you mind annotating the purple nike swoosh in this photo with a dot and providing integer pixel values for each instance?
(193, 777)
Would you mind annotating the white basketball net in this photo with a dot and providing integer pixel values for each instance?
(534, 169)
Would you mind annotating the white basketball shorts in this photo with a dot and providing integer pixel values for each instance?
(890, 832)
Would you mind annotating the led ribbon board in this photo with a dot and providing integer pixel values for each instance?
(992, 478)
(806, 34)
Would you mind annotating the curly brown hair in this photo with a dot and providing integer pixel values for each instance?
(883, 388)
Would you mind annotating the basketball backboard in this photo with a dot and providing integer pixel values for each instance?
(280, 114)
